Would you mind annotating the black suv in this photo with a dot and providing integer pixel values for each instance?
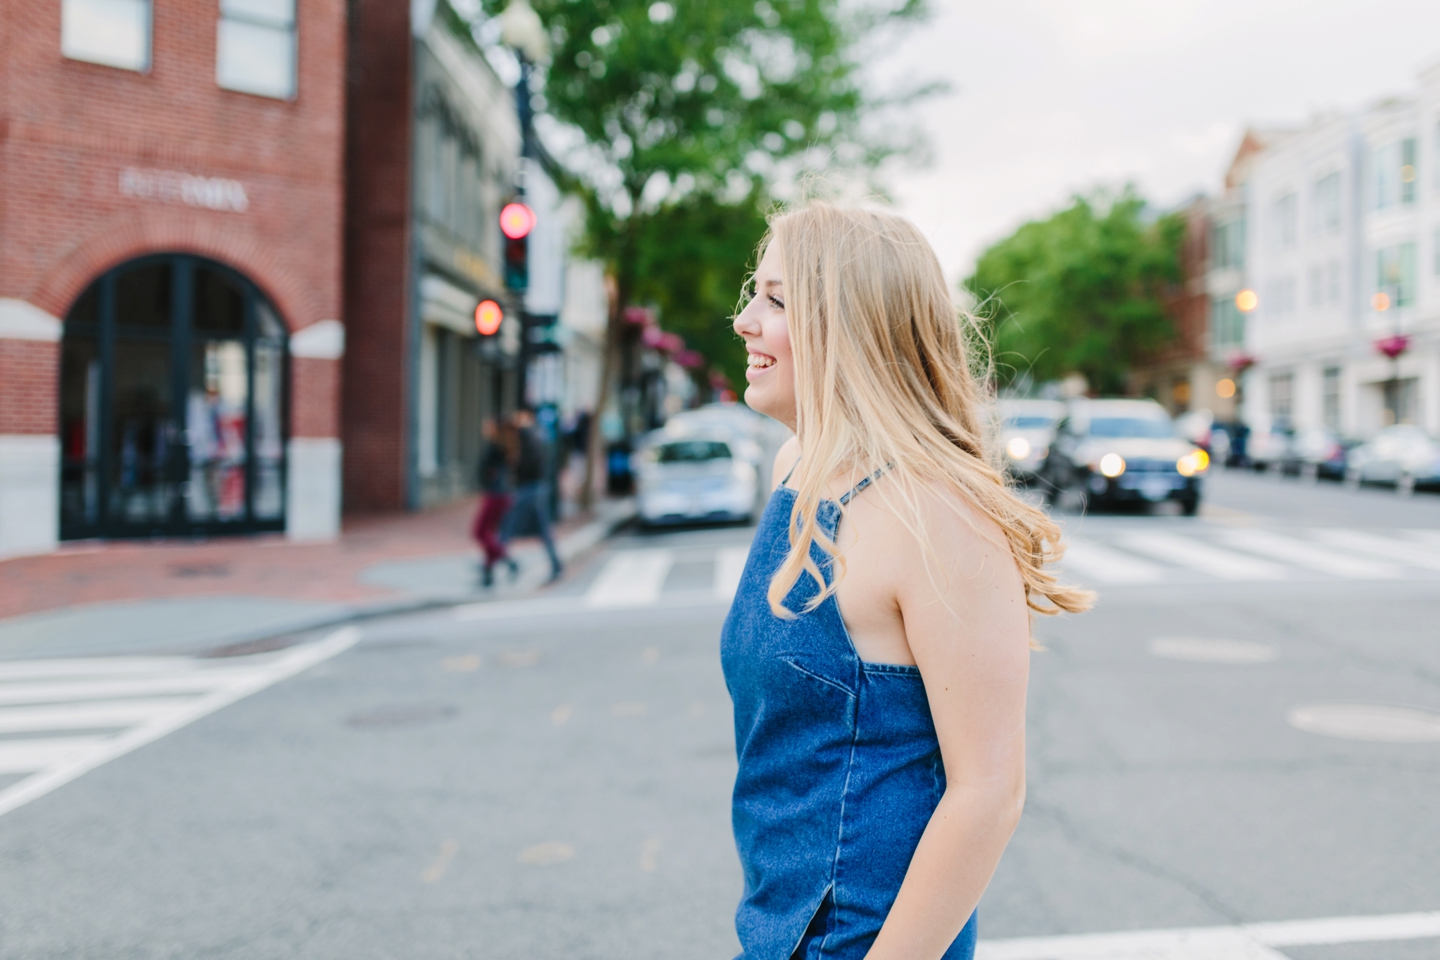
(1111, 451)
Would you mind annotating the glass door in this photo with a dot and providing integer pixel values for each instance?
(172, 404)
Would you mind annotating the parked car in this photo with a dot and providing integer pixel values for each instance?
(1027, 428)
(1269, 449)
(694, 476)
(1402, 455)
(1316, 452)
(1111, 451)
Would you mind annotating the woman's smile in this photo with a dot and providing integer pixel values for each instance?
(758, 363)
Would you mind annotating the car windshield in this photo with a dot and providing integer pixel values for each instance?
(1150, 428)
(692, 451)
(1029, 422)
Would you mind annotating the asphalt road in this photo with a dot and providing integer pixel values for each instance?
(549, 778)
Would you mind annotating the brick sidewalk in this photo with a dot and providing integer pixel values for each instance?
(266, 566)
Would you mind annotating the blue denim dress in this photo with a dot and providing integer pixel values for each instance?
(839, 765)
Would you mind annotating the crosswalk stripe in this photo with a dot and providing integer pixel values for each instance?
(729, 566)
(1309, 555)
(631, 578)
(1201, 556)
(86, 716)
(1094, 561)
(27, 756)
(96, 667)
(58, 760)
(198, 682)
(1253, 941)
(1376, 545)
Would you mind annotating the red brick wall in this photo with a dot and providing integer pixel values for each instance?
(68, 129)
(29, 397)
(377, 258)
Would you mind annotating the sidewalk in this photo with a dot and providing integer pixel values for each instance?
(182, 597)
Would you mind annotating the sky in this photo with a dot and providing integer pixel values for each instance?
(1053, 97)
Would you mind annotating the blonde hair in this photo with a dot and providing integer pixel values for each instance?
(889, 371)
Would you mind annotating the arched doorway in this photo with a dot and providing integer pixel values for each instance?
(172, 404)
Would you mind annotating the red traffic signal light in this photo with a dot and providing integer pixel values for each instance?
(487, 317)
(516, 220)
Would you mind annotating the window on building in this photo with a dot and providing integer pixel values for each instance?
(1316, 286)
(1330, 397)
(1395, 174)
(255, 47)
(1395, 273)
(115, 33)
(1280, 299)
(1437, 252)
(1229, 242)
(1227, 324)
(1282, 396)
(1332, 282)
(1325, 217)
(1283, 222)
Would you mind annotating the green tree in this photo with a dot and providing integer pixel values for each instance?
(1082, 291)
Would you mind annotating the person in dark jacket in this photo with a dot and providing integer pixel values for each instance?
(532, 493)
(494, 504)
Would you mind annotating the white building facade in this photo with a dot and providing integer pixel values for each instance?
(1342, 246)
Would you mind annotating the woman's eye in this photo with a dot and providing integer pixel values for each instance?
(778, 303)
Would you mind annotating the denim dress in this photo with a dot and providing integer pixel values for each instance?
(839, 766)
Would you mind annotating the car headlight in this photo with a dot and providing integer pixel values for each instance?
(1018, 448)
(1196, 461)
(1112, 465)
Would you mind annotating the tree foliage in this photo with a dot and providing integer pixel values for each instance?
(690, 111)
(1081, 292)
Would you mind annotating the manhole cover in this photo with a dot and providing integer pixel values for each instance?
(403, 715)
(1364, 721)
(1204, 650)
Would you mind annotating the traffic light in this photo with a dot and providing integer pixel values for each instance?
(487, 318)
(516, 222)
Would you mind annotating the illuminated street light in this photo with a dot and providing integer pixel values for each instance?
(516, 220)
(1246, 300)
(1381, 302)
(1225, 388)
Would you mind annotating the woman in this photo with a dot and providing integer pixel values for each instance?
(495, 503)
(882, 749)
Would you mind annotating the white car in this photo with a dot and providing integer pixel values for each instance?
(1027, 428)
(1402, 455)
(694, 477)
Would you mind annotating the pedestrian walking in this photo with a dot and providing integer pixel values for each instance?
(494, 503)
(882, 749)
(531, 507)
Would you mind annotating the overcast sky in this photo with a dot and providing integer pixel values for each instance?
(1051, 97)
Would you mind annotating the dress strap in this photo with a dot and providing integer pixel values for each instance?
(864, 483)
(791, 473)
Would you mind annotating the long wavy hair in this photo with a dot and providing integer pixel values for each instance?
(889, 371)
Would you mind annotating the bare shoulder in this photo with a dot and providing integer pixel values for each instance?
(954, 548)
(785, 460)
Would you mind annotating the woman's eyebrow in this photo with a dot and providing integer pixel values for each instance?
(773, 283)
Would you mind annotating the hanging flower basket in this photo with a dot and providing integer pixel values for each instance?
(1392, 347)
(1240, 361)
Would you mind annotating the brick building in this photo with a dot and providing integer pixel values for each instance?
(171, 202)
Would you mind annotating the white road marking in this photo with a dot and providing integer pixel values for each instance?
(1096, 562)
(97, 667)
(227, 685)
(27, 756)
(1309, 555)
(67, 690)
(1404, 551)
(1375, 723)
(1198, 555)
(98, 715)
(650, 855)
(631, 578)
(729, 566)
(1254, 941)
(441, 863)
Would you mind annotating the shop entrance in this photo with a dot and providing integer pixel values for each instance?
(172, 404)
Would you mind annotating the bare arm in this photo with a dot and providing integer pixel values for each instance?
(967, 626)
